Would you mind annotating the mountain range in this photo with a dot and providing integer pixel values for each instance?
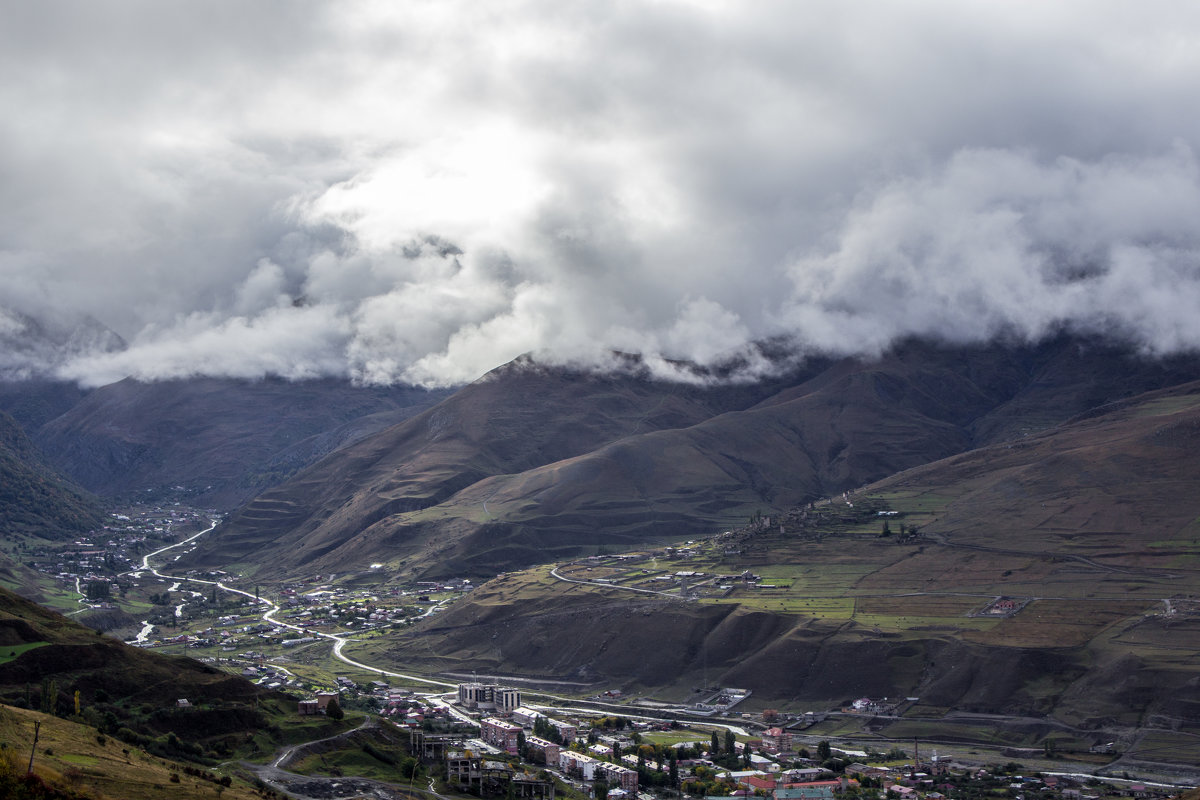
(1058, 477)
(531, 464)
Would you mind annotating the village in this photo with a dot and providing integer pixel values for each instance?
(486, 738)
(487, 742)
(105, 580)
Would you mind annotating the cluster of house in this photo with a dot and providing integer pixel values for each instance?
(316, 705)
(270, 676)
(506, 734)
(102, 553)
(930, 779)
(399, 705)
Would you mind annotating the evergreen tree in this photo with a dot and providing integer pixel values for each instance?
(334, 709)
(49, 696)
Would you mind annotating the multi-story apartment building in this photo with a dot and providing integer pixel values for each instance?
(499, 733)
(489, 697)
(590, 769)
(542, 750)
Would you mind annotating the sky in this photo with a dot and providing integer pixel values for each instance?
(418, 192)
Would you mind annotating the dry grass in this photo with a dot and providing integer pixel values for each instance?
(73, 755)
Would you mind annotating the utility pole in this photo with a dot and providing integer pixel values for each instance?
(37, 727)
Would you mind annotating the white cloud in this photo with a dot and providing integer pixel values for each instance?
(422, 191)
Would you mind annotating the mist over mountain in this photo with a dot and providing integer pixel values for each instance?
(34, 347)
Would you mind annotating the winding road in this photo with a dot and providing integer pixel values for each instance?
(339, 642)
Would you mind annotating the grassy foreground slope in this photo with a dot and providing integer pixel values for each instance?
(1091, 529)
(72, 760)
(50, 663)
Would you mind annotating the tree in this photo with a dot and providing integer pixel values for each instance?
(334, 709)
(600, 787)
(730, 742)
(49, 696)
(97, 590)
(522, 747)
(823, 750)
(716, 744)
(673, 769)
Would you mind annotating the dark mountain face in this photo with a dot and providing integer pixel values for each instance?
(224, 439)
(1086, 527)
(531, 464)
(33, 498)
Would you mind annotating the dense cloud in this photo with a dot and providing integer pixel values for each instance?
(422, 191)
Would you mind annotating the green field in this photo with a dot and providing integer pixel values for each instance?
(11, 652)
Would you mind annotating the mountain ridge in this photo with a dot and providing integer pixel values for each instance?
(530, 460)
(223, 440)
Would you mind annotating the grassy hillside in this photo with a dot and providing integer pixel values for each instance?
(532, 464)
(72, 760)
(48, 663)
(1052, 580)
(225, 439)
(33, 499)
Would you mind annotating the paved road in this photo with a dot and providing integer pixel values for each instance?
(554, 573)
